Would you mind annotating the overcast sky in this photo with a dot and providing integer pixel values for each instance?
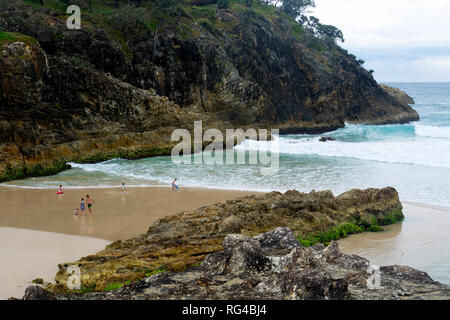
(402, 40)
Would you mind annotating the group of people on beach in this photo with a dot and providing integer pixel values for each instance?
(89, 202)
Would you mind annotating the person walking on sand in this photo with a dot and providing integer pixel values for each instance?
(90, 203)
(174, 186)
(123, 187)
(82, 206)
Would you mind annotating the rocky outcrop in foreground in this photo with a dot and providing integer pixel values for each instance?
(183, 240)
(273, 265)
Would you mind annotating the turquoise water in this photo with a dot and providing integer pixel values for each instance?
(414, 158)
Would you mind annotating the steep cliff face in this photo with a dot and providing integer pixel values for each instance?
(99, 92)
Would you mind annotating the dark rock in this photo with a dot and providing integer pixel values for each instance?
(325, 139)
(398, 94)
(244, 271)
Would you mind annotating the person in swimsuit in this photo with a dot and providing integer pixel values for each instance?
(174, 186)
(60, 190)
(90, 203)
(82, 206)
(123, 187)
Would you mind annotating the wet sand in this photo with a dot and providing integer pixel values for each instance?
(26, 255)
(38, 230)
(421, 241)
(115, 215)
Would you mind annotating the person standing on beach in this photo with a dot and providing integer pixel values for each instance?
(82, 206)
(123, 187)
(90, 203)
(60, 190)
(174, 186)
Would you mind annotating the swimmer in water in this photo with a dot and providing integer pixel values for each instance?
(174, 186)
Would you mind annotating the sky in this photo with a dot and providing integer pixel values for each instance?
(401, 40)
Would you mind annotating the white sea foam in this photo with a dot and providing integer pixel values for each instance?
(420, 151)
(432, 131)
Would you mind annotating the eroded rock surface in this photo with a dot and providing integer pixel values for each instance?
(273, 265)
(185, 239)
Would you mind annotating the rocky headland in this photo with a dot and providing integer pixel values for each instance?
(256, 247)
(273, 246)
(118, 87)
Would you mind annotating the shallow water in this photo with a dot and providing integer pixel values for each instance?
(421, 242)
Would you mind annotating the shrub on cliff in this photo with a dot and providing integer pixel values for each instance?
(129, 20)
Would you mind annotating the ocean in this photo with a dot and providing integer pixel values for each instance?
(414, 158)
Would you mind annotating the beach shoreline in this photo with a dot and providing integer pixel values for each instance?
(420, 241)
(116, 215)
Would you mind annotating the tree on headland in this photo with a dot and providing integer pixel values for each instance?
(324, 31)
(295, 8)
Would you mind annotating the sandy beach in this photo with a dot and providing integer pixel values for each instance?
(115, 215)
(38, 230)
(26, 255)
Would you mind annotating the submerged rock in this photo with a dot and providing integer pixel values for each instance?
(325, 139)
(273, 266)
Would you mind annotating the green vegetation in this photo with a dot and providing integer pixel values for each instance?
(156, 271)
(116, 285)
(345, 229)
(123, 19)
(33, 171)
(9, 37)
(335, 233)
(38, 281)
(392, 217)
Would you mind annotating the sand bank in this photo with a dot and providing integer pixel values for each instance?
(421, 241)
(26, 255)
(115, 215)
